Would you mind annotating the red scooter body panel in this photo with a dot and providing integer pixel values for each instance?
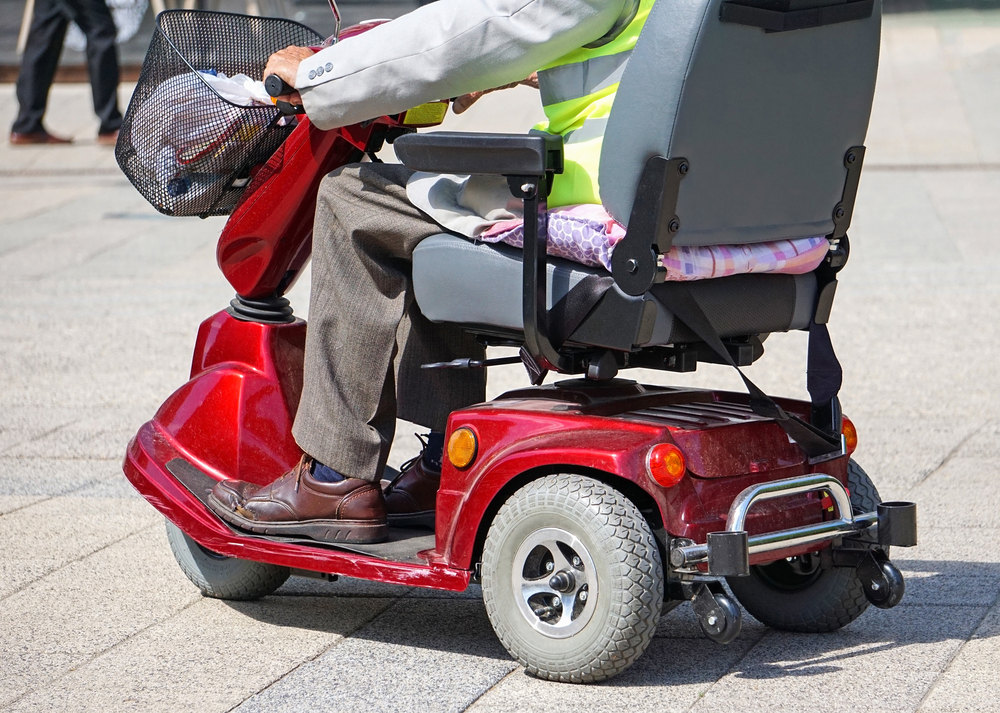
(542, 436)
(269, 233)
(233, 419)
(144, 467)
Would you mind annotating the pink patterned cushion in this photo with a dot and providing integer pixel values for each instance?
(587, 234)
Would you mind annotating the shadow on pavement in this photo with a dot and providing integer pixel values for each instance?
(945, 601)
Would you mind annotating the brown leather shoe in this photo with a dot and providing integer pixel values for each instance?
(411, 497)
(36, 138)
(108, 138)
(350, 511)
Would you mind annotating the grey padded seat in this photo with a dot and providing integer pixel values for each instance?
(765, 121)
(457, 280)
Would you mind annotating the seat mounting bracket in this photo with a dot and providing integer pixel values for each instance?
(652, 225)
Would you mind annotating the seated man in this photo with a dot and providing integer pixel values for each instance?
(367, 339)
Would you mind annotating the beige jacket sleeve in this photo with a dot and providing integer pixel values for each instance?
(444, 50)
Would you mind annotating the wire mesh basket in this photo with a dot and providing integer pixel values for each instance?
(186, 148)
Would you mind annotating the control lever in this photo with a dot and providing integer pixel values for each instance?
(277, 87)
(471, 363)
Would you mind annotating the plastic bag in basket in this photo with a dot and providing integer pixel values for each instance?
(197, 140)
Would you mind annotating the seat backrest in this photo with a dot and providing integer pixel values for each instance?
(764, 119)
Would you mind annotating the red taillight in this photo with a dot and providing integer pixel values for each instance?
(850, 436)
(665, 464)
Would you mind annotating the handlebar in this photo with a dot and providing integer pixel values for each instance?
(278, 87)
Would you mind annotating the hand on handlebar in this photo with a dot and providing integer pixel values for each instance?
(285, 65)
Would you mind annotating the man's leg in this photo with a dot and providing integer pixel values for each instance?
(94, 18)
(38, 65)
(361, 317)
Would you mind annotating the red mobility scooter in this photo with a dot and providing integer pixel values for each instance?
(588, 507)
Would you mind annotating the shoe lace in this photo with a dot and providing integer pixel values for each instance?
(305, 463)
(410, 463)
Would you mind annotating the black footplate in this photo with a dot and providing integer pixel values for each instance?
(402, 546)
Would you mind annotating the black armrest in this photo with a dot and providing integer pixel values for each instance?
(532, 154)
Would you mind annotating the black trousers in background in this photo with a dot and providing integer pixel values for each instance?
(41, 57)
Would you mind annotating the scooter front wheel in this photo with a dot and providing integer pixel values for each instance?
(572, 579)
(222, 577)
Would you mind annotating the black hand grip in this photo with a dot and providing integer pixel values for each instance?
(276, 86)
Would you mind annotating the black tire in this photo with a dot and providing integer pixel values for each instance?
(598, 541)
(223, 577)
(799, 596)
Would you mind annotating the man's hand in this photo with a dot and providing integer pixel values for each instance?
(466, 100)
(286, 65)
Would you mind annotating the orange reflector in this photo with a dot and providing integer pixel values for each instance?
(462, 447)
(850, 436)
(665, 464)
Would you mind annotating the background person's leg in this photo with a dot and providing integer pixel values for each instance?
(94, 18)
(38, 65)
(363, 240)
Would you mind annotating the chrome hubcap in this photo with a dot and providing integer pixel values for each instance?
(555, 582)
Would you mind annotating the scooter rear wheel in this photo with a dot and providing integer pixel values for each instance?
(572, 579)
(797, 594)
(222, 577)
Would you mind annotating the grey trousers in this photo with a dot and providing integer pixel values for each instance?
(366, 338)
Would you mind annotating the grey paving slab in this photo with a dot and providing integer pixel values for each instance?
(57, 532)
(892, 657)
(962, 488)
(438, 655)
(47, 477)
(955, 544)
(970, 682)
(672, 675)
(22, 671)
(186, 663)
(98, 601)
(9, 503)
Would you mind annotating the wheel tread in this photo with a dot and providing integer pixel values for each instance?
(634, 611)
(840, 604)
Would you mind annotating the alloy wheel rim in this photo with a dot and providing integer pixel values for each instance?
(555, 583)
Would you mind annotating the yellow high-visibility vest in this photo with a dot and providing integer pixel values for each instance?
(578, 90)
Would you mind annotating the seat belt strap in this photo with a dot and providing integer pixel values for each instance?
(677, 297)
(566, 315)
(824, 374)
(573, 308)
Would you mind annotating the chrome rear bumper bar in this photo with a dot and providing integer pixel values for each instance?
(729, 555)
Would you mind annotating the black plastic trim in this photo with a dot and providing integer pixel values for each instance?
(777, 20)
(532, 154)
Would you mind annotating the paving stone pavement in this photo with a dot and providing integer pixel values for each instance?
(102, 298)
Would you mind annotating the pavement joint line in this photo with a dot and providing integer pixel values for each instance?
(100, 653)
(500, 680)
(737, 662)
(40, 436)
(74, 561)
(951, 454)
(61, 495)
(334, 645)
(954, 656)
(111, 246)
